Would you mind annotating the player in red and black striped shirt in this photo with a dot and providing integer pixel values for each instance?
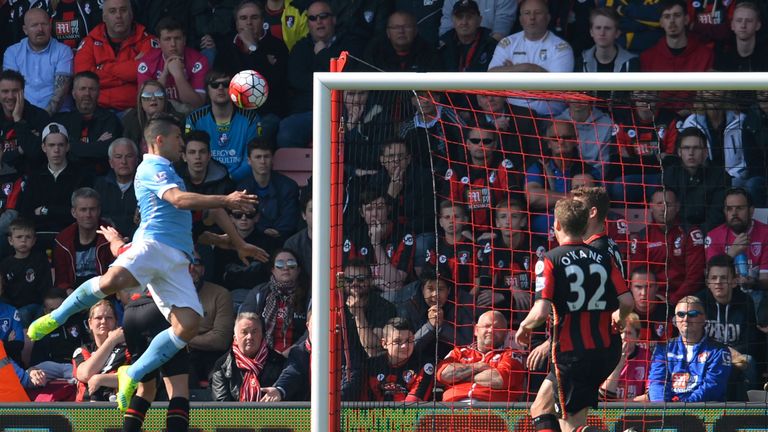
(590, 299)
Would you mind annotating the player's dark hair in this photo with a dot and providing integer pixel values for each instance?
(721, 260)
(573, 216)
(261, 143)
(160, 124)
(398, 323)
(21, 223)
(12, 75)
(86, 74)
(85, 192)
(738, 191)
(669, 4)
(199, 136)
(691, 131)
(594, 196)
(170, 24)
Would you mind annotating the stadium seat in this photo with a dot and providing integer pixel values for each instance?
(295, 163)
(761, 214)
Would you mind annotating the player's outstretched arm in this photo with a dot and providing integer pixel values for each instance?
(237, 200)
(536, 317)
(244, 250)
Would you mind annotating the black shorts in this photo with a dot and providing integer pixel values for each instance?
(141, 322)
(577, 377)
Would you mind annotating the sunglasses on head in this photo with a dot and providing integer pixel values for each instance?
(289, 264)
(693, 313)
(320, 16)
(219, 84)
(360, 277)
(155, 94)
(484, 141)
(238, 215)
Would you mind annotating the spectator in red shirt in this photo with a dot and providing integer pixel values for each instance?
(178, 67)
(397, 375)
(113, 50)
(485, 370)
(80, 251)
(677, 51)
(673, 253)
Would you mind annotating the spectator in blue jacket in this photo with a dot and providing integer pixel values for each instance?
(278, 194)
(691, 367)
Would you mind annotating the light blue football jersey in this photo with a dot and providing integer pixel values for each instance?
(161, 221)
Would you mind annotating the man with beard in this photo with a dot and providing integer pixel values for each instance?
(741, 234)
(98, 126)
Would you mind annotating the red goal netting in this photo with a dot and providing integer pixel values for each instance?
(445, 203)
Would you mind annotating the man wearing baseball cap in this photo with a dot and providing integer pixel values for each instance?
(497, 15)
(46, 196)
(467, 47)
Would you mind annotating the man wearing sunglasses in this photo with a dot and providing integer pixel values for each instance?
(488, 176)
(229, 128)
(312, 54)
(691, 367)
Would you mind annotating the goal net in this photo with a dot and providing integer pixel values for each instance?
(433, 200)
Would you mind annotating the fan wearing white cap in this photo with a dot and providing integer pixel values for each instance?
(46, 197)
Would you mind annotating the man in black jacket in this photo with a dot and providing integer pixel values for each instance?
(309, 55)
(20, 125)
(731, 320)
(699, 185)
(118, 199)
(467, 47)
(94, 126)
(246, 356)
(402, 50)
(201, 173)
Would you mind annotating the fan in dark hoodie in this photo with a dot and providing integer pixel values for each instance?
(731, 320)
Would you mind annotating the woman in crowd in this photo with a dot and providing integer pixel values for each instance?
(150, 100)
(95, 363)
(282, 302)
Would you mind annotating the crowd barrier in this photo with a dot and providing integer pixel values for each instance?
(287, 417)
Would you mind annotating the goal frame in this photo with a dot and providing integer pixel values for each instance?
(326, 83)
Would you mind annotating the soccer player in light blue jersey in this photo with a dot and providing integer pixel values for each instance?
(159, 258)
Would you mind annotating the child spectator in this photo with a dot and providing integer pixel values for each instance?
(26, 275)
(95, 363)
(627, 381)
(397, 375)
(440, 315)
(454, 252)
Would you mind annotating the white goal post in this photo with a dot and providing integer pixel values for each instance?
(324, 83)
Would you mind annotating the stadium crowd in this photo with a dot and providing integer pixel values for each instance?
(433, 289)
